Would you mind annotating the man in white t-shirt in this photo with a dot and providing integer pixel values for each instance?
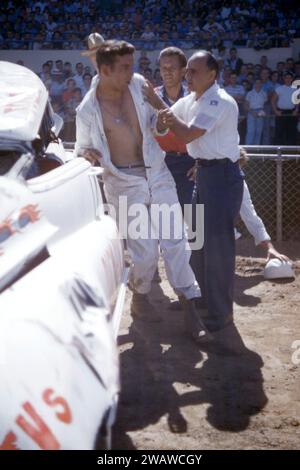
(254, 104)
(286, 112)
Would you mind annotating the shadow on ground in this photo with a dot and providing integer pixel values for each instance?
(157, 356)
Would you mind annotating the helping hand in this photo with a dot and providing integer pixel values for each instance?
(151, 97)
(92, 155)
(192, 173)
(166, 118)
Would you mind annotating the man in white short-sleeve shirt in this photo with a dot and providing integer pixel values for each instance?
(206, 120)
(286, 112)
(255, 102)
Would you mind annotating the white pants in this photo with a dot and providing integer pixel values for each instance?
(154, 190)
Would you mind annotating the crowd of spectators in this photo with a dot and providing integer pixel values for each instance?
(149, 24)
(216, 25)
(252, 86)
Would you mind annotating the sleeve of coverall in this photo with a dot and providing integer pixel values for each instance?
(83, 135)
(250, 218)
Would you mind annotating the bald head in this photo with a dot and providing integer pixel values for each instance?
(208, 58)
(202, 72)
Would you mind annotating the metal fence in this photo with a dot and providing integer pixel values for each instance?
(273, 177)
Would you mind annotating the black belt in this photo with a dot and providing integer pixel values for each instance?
(215, 161)
(176, 154)
(287, 111)
(134, 165)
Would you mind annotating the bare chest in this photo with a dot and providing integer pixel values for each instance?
(120, 118)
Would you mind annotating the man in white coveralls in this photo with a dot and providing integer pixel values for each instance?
(116, 126)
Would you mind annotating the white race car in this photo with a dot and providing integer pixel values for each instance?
(62, 282)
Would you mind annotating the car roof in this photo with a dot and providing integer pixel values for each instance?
(23, 98)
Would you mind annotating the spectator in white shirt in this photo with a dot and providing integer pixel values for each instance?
(286, 112)
(212, 25)
(57, 86)
(148, 34)
(254, 104)
(236, 91)
(78, 77)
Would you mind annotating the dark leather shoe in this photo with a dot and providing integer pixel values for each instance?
(142, 309)
(193, 323)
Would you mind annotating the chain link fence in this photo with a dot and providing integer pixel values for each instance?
(273, 176)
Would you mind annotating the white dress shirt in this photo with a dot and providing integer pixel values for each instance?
(217, 113)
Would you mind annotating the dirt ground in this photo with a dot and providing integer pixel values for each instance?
(176, 397)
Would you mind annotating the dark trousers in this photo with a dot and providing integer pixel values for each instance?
(179, 166)
(286, 128)
(220, 189)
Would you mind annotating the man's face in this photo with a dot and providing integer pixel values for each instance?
(171, 71)
(71, 84)
(198, 75)
(258, 85)
(264, 75)
(87, 81)
(280, 66)
(79, 68)
(233, 79)
(243, 70)
(288, 80)
(120, 73)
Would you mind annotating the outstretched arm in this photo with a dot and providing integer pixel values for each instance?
(272, 252)
(152, 97)
(256, 226)
(186, 132)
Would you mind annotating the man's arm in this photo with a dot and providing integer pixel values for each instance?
(272, 252)
(250, 218)
(274, 100)
(256, 226)
(83, 145)
(185, 132)
(152, 97)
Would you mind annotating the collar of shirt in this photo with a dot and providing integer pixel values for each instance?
(161, 91)
(209, 92)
